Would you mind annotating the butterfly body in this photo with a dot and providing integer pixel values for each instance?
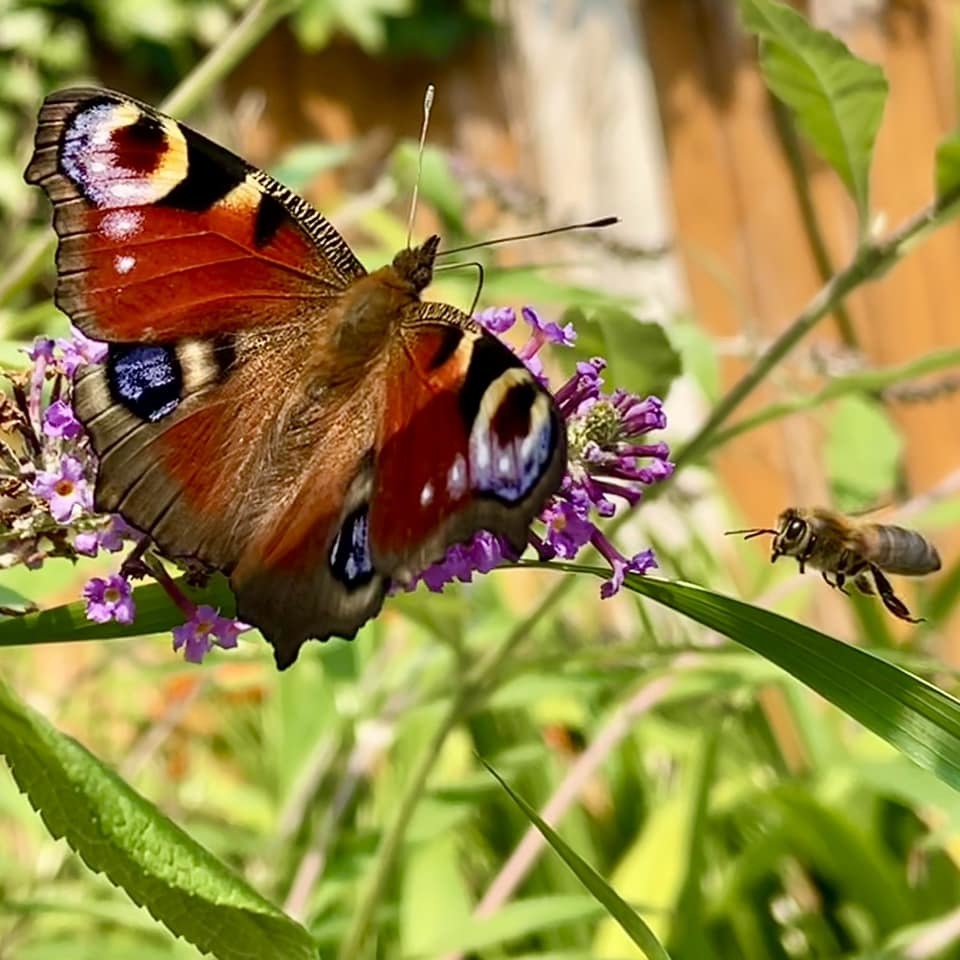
(267, 406)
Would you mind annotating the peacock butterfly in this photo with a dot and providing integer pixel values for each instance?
(267, 406)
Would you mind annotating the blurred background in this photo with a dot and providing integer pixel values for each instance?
(738, 813)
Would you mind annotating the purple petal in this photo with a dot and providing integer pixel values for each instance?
(59, 421)
(496, 319)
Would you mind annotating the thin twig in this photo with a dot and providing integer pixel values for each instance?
(474, 689)
(871, 261)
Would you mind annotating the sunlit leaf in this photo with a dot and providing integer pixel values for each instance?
(837, 98)
(121, 834)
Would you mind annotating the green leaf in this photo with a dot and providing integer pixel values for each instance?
(156, 613)
(919, 719)
(948, 169)
(837, 98)
(518, 919)
(639, 355)
(631, 922)
(299, 165)
(862, 453)
(121, 834)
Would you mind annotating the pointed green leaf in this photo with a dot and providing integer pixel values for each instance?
(948, 169)
(121, 834)
(919, 719)
(837, 98)
(631, 922)
(156, 613)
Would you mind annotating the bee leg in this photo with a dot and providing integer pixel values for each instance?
(890, 600)
(862, 582)
(836, 583)
(807, 554)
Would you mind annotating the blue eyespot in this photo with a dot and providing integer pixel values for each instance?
(350, 560)
(146, 379)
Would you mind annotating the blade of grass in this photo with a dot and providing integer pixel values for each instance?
(630, 921)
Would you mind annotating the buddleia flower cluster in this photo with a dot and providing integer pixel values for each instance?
(47, 471)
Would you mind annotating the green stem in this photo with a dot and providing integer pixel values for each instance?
(872, 260)
(245, 34)
(248, 31)
(867, 381)
(414, 785)
(479, 681)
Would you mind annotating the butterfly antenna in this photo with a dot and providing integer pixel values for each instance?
(588, 225)
(427, 106)
(752, 532)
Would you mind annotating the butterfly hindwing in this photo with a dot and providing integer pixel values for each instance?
(469, 441)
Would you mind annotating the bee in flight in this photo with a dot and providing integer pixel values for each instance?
(850, 549)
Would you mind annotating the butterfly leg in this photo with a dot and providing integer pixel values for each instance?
(890, 600)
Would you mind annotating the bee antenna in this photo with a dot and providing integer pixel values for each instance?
(752, 532)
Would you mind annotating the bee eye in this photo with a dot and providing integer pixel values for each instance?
(794, 529)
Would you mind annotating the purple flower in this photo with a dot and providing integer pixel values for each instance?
(549, 332)
(204, 629)
(608, 461)
(87, 543)
(109, 599)
(496, 319)
(639, 563)
(478, 555)
(77, 351)
(66, 490)
(42, 349)
(59, 421)
(568, 523)
(111, 537)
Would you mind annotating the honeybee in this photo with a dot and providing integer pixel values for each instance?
(851, 549)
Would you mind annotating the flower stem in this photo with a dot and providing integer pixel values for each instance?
(242, 38)
(870, 262)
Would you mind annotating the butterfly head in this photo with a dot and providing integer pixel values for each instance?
(415, 264)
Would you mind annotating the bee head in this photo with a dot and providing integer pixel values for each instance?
(793, 535)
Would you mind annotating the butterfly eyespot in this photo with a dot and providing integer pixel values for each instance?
(350, 560)
(512, 439)
(147, 380)
(118, 156)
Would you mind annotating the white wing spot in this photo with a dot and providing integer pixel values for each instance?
(124, 264)
(121, 224)
(426, 494)
(457, 478)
